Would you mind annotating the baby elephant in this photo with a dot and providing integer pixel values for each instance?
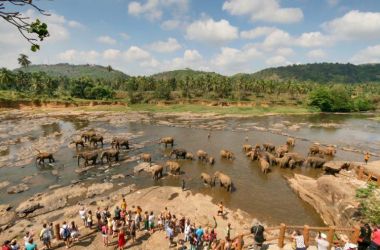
(207, 179)
(227, 154)
(44, 155)
(146, 157)
(174, 167)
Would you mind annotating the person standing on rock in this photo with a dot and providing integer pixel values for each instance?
(220, 209)
(121, 239)
(151, 222)
(83, 216)
(123, 205)
(14, 245)
(64, 232)
(365, 237)
(375, 239)
(98, 215)
(298, 238)
(321, 240)
(105, 235)
(133, 231)
(6, 245)
(46, 236)
(31, 245)
(89, 219)
(28, 235)
(366, 157)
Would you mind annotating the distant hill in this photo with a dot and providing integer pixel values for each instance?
(321, 73)
(77, 71)
(181, 74)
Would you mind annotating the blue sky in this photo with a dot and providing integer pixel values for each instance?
(227, 36)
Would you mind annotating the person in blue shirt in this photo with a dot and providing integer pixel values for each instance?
(30, 245)
(199, 232)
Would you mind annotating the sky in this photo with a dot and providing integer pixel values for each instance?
(143, 37)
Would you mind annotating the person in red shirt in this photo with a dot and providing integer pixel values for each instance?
(121, 239)
(375, 243)
(6, 245)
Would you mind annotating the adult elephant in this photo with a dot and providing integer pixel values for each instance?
(42, 156)
(88, 156)
(296, 157)
(157, 171)
(207, 179)
(314, 162)
(282, 150)
(94, 140)
(225, 180)
(174, 167)
(78, 142)
(146, 157)
(291, 142)
(210, 160)
(202, 155)
(270, 158)
(269, 147)
(109, 154)
(119, 143)
(283, 162)
(329, 151)
(189, 156)
(264, 165)
(253, 154)
(314, 149)
(247, 147)
(226, 154)
(179, 153)
(87, 135)
(167, 141)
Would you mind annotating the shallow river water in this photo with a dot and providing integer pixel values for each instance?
(266, 197)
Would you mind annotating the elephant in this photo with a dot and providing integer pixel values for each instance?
(108, 154)
(87, 135)
(284, 162)
(297, 158)
(247, 147)
(329, 150)
(95, 139)
(189, 156)
(269, 147)
(270, 158)
(291, 142)
(173, 166)
(226, 154)
(179, 153)
(257, 147)
(118, 143)
(210, 160)
(202, 155)
(146, 157)
(88, 156)
(78, 142)
(207, 179)
(314, 162)
(292, 164)
(225, 180)
(314, 149)
(167, 141)
(253, 154)
(156, 171)
(264, 164)
(41, 156)
(281, 150)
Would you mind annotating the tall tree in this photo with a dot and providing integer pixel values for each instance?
(109, 68)
(24, 61)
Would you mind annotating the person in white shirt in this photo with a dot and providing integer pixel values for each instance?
(82, 215)
(321, 240)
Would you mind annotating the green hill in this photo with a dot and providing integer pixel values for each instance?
(181, 74)
(321, 73)
(77, 71)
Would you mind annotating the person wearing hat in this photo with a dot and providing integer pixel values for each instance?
(6, 245)
(322, 243)
(14, 245)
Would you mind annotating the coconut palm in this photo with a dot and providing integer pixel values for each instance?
(24, 61)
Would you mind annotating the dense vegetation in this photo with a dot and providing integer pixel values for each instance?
(369, 198)
(96, 82)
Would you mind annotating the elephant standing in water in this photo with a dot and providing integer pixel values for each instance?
(146, 157)
(264, 165)
(118, 143)
(269, 147)
(167, 141)
(247, 147)
(78, 142)
(156, 171)
(87, 135)
(226, 154)
(179, 153)
(88, 156)
(282, 150)
(225, 180)
(174, 167)
(95, 139)
(210, 160)
(109, 154)
(207, 179)
(270, 158)
(189, 156)
(41, 156)
(291, 142)
(315, 162)
(202, 155)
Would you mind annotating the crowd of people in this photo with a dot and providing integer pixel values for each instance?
(122, 225)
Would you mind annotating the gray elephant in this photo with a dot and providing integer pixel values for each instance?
(247, 147)
(157, 171)
(226, 154)
(78, 142)
(109, 154)
(264, 165)
(297, 158)
(269, 147)
(270, 158)
(225, 180)
(88, 156)
(291, 142)
(146, 157)
(207, 179)
(179, 153)
(167, 141)
(87, 135)
(118, 143)
(253, 154)
(42, 156)
(189, 156)
(284, 162)
(314, 162)
(94, 140)
(202, 155)
(174, 167)
(282, 150)
(210, 160)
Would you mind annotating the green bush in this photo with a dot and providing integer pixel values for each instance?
(363, 104)
(369, 203)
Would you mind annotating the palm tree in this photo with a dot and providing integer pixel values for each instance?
(23, 60)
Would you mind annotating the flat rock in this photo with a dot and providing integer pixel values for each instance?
(54, 186)
(117, 176)
(143, 166)
(18, 188)
(98, 188)
(4, 184)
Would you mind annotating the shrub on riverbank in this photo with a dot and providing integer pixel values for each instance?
(369, 203)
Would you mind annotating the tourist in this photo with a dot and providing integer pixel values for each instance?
(74, 231)
(6, 245)
(159, 222)
(151, 222)
(199, 232)
(123, 205)
(114, 227)
(187, 230)
(117, 213)
(212, 236)
(228, 231)
(170, 234)
(28, 235)
(146, 221)
(89, 219)
(65, 234)
(109, 224)
(51, 228)
(83, 216)
(98, 215)
(31, 245)
(193, 241)
(183, 185)
(182, 224)
(258, 232)
(375, 239)
(238, 242)
(14, 245)
(46, 236)
(137, 221)
(105, 234)
(321, 240)
(366, 157)
(227, 243)
(121, 239)
(133, 231)
(299, 240)
(220, 209)
(365, 237)
(122, 216)
(105, 215)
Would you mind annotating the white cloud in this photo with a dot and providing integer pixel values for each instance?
(355, 25)
(170, 45)
(153, 9)
(277, 61)
(75, 24)
(111, 54)
(277, 38)
(170, 24)
(316, 54)
(268, 10)
(314, 39)
(125, 36)
(135, 53)
(191, 56)
(106, 40)
(256, 32)
(370, 54)
(74, 56)
(332, 2)
(211, 31)
(285, 51)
